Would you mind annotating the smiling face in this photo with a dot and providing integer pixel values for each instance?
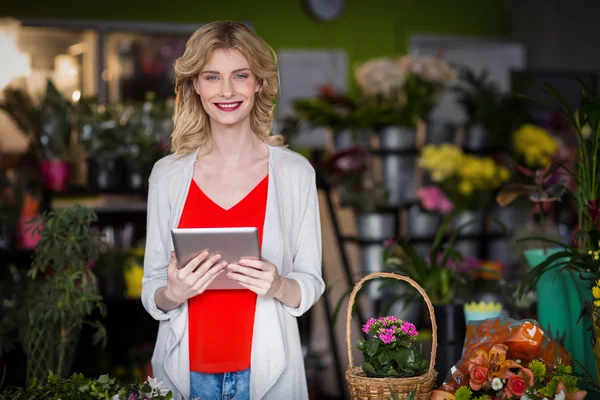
(227, 88)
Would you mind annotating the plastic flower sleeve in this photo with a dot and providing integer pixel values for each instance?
(526, 341)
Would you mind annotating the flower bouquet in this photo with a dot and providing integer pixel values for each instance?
(389, 350)
(508, 359)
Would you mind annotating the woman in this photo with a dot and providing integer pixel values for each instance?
(227, 170)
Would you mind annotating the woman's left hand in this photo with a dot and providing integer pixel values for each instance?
(260, 276)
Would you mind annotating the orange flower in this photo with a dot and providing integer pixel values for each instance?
(441, 395)
(478, 374)
(515, 386)
(495, 361)
(579, 395)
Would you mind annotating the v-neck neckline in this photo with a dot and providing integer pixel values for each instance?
(246, 196)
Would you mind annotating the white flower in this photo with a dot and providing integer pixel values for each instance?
(116, 397)
(157, 387)
(496, 383)
(380, 76)
(560, 396)
(525, 397)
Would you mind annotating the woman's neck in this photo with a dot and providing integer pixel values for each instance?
(233, 146)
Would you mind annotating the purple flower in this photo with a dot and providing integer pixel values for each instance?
(409, 329)
(133, 396)
(367, 326)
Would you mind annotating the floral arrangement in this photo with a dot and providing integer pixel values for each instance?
(491, 375)
(79, 387)
(389, 350)
(467, 180)
(507, 359)
(402, 90)
(534, 146)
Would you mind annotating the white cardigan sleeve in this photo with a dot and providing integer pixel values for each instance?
(157, 255)
(307, 262)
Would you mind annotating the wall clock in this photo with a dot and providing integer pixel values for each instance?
(325, 10)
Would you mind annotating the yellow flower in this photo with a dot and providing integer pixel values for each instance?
(465, 188)
(596, 292)
(535, 145)
(597, 303)
(440, 161)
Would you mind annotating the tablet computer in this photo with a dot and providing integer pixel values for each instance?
(231, 243)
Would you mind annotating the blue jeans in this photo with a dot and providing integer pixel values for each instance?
(226, 386)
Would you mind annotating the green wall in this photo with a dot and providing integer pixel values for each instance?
(368, 28)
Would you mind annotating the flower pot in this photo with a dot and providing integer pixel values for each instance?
(596, 329)
(560, 297)
(105, 173)
(421, 224)
(470, 217)
(468, 246)
(399, 170)
(55, 174)
(375, 228)
(346, 138)
(477, 137)
(136, 179)
(440, 132)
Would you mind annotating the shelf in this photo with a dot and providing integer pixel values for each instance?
(103, 203)
(417, 240)
(399, 152)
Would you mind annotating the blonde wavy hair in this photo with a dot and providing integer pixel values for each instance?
(191, 122)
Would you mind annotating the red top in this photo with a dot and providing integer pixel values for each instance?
(221, 322)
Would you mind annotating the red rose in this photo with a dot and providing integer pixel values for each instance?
(477, 375)
(515, 386)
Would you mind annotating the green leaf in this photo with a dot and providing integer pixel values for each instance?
(103, 379)
(384, 357)
(372, 346)
(368, 368)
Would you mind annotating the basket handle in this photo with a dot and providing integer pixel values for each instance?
(400, 278)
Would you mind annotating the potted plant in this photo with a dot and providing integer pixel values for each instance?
(392, 364)
(48, 126)
(61, 292)
(334, 111)
(395, 94)
(469, 181)
(388, 349)
(491, 114)
(571, 266)
(103, 132)
(78, 386)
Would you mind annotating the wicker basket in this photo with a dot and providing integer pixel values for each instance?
(363, 387)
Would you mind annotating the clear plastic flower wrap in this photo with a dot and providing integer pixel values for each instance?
(526, 340)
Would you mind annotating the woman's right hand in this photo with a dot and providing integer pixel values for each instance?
(192, 279)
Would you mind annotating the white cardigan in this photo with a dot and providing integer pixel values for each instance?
(291, 241)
